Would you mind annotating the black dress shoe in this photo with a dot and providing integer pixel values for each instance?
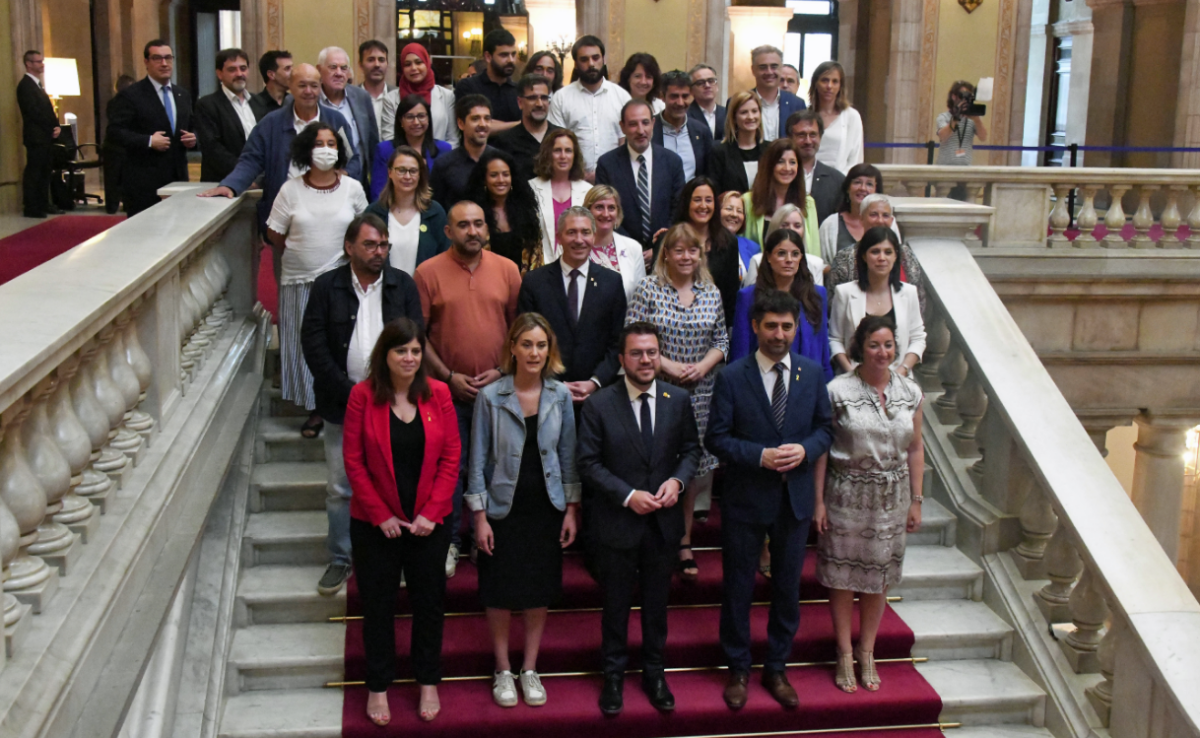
(612, 699)
(660, 696)
(54, 210)
(33, 215)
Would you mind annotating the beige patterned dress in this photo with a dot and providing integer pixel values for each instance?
(867, 492)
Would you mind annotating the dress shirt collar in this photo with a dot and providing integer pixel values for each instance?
(766, 366)
(344, 104)
(157, 87)
(235, 98)
(35, 79)
(648, 153)
(668, 128)
(566, 268)
(300, 123)
(361, 291)
(635, 393)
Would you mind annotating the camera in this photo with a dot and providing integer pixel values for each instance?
(967, 106)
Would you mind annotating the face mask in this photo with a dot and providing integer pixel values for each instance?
(324, 158)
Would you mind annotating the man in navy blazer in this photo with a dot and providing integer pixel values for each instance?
(620, 168)
(770, 438)
(586, 319)
(766, 63)
(704, 101)
(676, 131)
(268, 151)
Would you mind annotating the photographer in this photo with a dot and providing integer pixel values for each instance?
(959, 126)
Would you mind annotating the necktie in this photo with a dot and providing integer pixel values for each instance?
(779, 395)
(643, 187)
(166, 96)
(647, 424)
(573, 297)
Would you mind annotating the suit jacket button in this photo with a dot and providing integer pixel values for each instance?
(547, 475)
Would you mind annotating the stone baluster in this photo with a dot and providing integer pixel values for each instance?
(942, 189)
(971, 403)
(56, 544)
(1087, 218)
(951, 372)
(216, 276)
(915, 189)
(110, 360)
(1143, 219)
(1101, 694)
(96, 483)
(190, 285)
(30, 579)
(937, 342)
(974, 192)
(1063, 567)
(13, 611)
(205, 295)
(1193, 220)
(1038, 524)
(1171, 218)
(72, 439)
(1060, 217)
(112, 461)
(189, 315)
(139, 421)
(1114, 219)
(1089, 612)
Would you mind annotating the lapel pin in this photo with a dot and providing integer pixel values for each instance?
(424, 228)
(666, 395)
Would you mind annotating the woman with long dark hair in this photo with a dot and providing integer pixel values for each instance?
(780, 182)
(559, 184)
(641, 77)
(402, 450)
(510, 208)
(413, 130)
(843, 229)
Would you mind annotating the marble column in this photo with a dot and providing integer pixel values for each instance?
(1158, 475)
(911, 68)
(1112, 23)
(751, 26)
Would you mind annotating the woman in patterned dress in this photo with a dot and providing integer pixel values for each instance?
(868, 490)
(680, 299)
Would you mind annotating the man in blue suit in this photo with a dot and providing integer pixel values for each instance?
(766, 63)
(770, 421)
(647, 176)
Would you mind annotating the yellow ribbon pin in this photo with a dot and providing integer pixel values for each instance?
(424, 228)
(666, 395)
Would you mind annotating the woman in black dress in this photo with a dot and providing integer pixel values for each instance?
(526, 512)
(509, 207)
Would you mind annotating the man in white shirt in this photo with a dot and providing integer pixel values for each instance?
(225, 118)
(591, 105)
(373, 60)
(346, 312)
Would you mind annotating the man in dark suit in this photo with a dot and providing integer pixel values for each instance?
(704, 107)
(676, 131)
(766, 64)
(646, 176)
(638, 447)
(152, 121)
(769, 423)
(355, 105)
(39, 129)
(346, 312)
(822, 181)
(225, 118)
(584, 303)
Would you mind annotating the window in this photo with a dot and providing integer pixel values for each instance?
(811, 37)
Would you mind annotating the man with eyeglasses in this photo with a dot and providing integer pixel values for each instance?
(692, 143)
(766, 63)
(524, 140)
(704, 105)
(347, 309)
(152, 121)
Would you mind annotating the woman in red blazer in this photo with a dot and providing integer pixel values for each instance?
(402, 449)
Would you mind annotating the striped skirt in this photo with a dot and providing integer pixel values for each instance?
(297, 380)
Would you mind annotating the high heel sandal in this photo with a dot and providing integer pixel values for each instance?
(380, 717)
(867, 672)
(845, 673)
(688, 570)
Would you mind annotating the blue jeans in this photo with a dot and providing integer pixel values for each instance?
(337, 496)
(465, 412)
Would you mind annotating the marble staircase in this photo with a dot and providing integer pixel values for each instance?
(285, 649)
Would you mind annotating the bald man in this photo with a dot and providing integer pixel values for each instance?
(268, 151)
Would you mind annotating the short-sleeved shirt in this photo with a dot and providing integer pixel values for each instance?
(467, 313)
(961, 140)
(503, 96)
(314, 222)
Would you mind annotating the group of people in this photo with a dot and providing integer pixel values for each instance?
(558, 311)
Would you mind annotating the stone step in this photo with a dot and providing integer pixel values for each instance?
(279, 440)
(285, 537)
(985, 692)
(955, 630)
(274, 405)
(285, 594)
(938, 573)
(288, 486)
(299, 713)
(1001, 731)
(939, 527)
(287, 656)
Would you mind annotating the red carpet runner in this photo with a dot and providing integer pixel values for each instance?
(34, 246)
(571, 644)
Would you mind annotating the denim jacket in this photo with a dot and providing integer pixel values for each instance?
(498, 441)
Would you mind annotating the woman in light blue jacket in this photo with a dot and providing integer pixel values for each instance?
(524, 492)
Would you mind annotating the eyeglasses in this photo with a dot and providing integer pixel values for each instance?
(416, 117)
(704, 82)
(375, 245)
(158, 58)
(406, 172)
(536, 98)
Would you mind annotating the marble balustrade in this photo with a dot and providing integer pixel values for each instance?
(1050, 510)
(1030, 201)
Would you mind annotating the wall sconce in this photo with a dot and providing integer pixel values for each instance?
(970, 5)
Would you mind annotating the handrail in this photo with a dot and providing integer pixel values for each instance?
(1156, 628)
(893, 173)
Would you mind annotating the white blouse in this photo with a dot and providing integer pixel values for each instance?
(314, 223)
(842, 142)
(404, 239)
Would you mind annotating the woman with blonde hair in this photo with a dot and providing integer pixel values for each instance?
(526, 511)
(416, 224)
(734, 161)
(680, 299)
(842, 141)
(610, 249)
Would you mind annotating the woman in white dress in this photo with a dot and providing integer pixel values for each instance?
(308, 221)
(559, 184)
(610, 249)
(842, 141)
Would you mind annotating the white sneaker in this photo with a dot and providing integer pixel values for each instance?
(504, 690)
(452, 560)
(531, 688)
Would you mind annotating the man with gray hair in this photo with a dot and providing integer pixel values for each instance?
(354, 103)
(766, 63)
(584, 303)
(704, 107)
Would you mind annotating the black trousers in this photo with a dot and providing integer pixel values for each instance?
(378, 563)
(650, 564)
(36, 182)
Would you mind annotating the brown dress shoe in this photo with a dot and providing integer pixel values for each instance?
(735, 690)
(777, 684)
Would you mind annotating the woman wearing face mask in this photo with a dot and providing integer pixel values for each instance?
(416, 224)
(876, 210)
(844, 228)
(415, 77)
(779, 182)
(510, 209)
(308, 221)
(842, 141)
(734, 161)
(610, 249)
(415, 132)
(559, 184)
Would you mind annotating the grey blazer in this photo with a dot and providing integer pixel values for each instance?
(498, 440)
(363, 108)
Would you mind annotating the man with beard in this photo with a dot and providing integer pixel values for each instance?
(495, 81)
(346, 312)
(524, 140)
(468, 298)
(225, 118)
(452, 169)
(373, 60)
(591, 105)
(822, 181)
